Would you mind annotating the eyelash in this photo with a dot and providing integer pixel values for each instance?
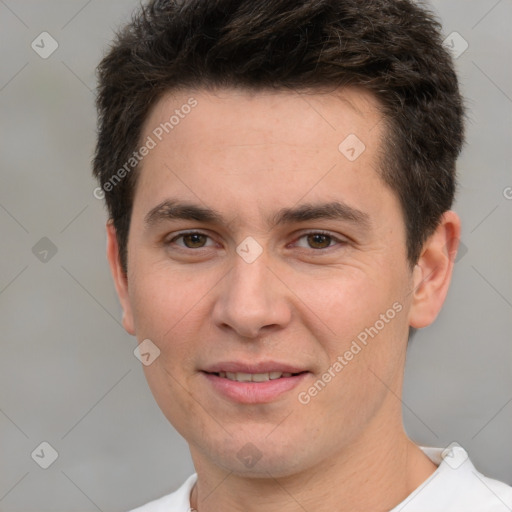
(333, 239)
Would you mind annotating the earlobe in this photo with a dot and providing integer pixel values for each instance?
(120, 278)
(433, 271)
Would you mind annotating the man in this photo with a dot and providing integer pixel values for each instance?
(279, 176)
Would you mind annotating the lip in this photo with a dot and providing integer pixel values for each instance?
(259, 367)
(254, 392)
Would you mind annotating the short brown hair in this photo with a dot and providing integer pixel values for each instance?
(392, 48)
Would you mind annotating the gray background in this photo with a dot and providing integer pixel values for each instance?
(68, 375)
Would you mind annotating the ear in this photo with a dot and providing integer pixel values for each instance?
(120, 278)
(433, 271)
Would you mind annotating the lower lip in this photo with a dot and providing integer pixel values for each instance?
(254, 392)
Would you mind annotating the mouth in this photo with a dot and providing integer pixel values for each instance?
(254, 377)
(256, 384)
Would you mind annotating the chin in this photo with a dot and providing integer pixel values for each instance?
(259, 457)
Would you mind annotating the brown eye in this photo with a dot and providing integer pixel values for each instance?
(319, 241)
(194, 240)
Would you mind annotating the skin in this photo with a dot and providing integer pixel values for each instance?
(248, 155)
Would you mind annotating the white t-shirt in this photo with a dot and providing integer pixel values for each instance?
(456, 486)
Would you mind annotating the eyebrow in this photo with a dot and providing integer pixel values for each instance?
(169, 210)
(335, 210)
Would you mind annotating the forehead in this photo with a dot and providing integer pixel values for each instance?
(256, 116)
(261, 149)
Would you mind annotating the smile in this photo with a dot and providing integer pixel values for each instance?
(252, 387)
(254, 377)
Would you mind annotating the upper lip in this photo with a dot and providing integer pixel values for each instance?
(259, 367)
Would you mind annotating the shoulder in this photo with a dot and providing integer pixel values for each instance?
(457, 486)
(178, 501)
(496, 495)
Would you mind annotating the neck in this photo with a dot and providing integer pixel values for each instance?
(368, 476)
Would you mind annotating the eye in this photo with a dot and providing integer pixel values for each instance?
(192, 240)
(317, 241)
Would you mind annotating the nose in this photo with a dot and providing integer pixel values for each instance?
(252, 300)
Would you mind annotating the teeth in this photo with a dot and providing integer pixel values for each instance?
(260, 377)
(253, 377)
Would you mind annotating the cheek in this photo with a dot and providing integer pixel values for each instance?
(162, 301)
(168, 310)
(347, 302)
(361, 325)
(171, 309)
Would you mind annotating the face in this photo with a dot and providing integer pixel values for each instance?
(267, 262)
